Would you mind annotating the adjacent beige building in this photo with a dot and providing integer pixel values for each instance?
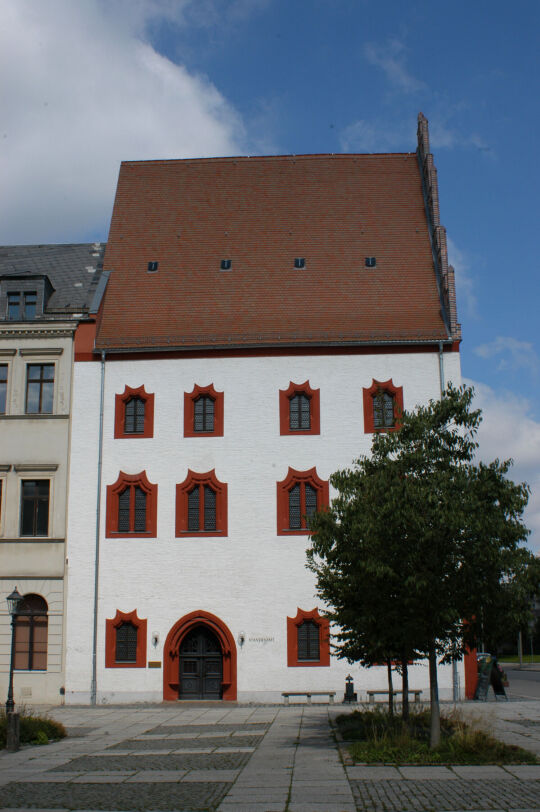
(44, 292)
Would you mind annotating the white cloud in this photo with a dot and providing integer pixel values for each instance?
(515, 354)
(376, 135)
(464, 281)
(83, 90)
(508, 430)
(390, 57)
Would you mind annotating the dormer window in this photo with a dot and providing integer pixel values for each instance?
(21, 305)
(24, 298)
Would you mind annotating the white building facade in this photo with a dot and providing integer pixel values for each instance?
(262, 319)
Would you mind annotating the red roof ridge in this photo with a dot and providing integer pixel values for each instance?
(285, 156)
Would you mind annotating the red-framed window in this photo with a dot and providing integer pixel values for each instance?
(131, 507)
(134, 413)
(125, 641)
(201, 506)
(299, 409)
(299, 495)
(383, 404)
(308, 640)
(203, 412)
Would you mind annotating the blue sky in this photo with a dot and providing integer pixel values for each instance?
(93, 82)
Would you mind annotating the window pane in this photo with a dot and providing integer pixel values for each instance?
(308, 641)
(199, 415)
(294, 508)
(294, 413)
(32, 398)
(304, 414)
(311, 501)
(204, 414)
(209, 414)
(123, 510)
(30, 305)
(193, 509)
(14, 308)
(34, 372)
(209, 508)
(126, 643)
(383, 410)
(35, 507)
(140, 510)
(134, 416)
(3, 387)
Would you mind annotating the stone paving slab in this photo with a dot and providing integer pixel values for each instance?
(524, 771)
(157, 776)
(372, 773)
(425, 796)
(427, 773)
(318, 807)
(482, 772)
(212, 775)
(113, 798)
(193, 761)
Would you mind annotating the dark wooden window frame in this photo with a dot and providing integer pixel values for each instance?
(121, 401)
(285, 396)
(200, 481)
(35, 502)
(42, 382)
(113, 496)
(31, 619)
(189, 411)
(301, 478)
(293, 624)
(111, 627)
(396, 392)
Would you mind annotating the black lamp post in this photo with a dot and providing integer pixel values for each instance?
(13, 602)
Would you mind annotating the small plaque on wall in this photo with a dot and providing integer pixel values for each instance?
(154, 664)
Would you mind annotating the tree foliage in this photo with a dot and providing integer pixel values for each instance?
(419, 552)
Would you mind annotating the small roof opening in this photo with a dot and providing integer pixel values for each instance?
(226, 264)
(152, 267)
(371, 262)
(299, 262)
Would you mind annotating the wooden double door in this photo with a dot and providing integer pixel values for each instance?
(201, 665)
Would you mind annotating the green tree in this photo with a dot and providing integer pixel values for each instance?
(421, 542)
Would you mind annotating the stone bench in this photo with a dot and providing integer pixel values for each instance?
(373, 694)
(308, 694)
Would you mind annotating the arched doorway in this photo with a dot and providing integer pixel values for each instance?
(201, 665)
(200, 631)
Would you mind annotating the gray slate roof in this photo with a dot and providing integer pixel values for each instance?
(73, 270)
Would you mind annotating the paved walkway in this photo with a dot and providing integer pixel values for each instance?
(251, 759)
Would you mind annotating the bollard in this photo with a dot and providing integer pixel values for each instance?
(350, 695)
(13, 731)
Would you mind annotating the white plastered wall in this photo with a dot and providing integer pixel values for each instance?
(252, 579)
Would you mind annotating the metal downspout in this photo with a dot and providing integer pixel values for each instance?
(455, 675)
(93, 687)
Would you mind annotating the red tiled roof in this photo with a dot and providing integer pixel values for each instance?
(262, 212)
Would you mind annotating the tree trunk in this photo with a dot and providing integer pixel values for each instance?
(435, 731)
(390, 687)
(405, 687)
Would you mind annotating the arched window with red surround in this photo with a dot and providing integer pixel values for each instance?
(134, 413)
(299, 409)
(201, 506)
(125, 641)
(203, 412)
(383, 404)
(299, 496)
(308, 640)
(131, 507)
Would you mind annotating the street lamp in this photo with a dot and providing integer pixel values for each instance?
(13, 602)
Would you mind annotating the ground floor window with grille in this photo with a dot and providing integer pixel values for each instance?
(308, 639)
(126, 643)
(31, 627)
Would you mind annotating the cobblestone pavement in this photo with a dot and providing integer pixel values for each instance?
(222, 758)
